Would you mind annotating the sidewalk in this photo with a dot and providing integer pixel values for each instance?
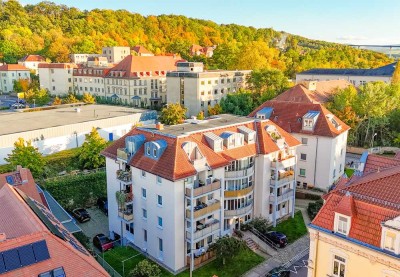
(283, 256)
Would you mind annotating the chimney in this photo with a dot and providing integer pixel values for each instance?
(312, 85)
(23, 172)
(3, 237)
(159, 126)
(19, 168)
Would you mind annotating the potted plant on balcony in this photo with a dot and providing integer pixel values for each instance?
(121, 198)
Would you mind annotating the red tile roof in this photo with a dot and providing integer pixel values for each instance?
(397, 156)
(376, 163)
(13, 67)
(144, 66)
(141, 50)
(288, 116)
(375, 198)
(32, 58)
(57, 65)
(174, 163)
(22, 226)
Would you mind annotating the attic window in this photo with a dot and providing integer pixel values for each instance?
(389, 241)
(155, 152)
(342, 224)
(148, 150)
(308, 123)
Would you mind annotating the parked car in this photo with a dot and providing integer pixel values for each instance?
(17, 106)
(81, 215)
(103, 243)
(102, 204)
(279, 239)
(278, 272)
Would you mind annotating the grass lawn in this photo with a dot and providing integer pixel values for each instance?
(349, 172)
(293, 228)
(244, 261)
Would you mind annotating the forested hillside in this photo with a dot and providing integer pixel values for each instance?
(55, 31)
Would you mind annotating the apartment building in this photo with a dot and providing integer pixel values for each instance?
(9, 73)
(197, 89)
(357, 77)
(173, 190)
(57, 77)
(140, 80)
(197, 50)
(82, 58)
(321, 157)
(90, 80)
(31, 62)
(356, 232)
(115, 54)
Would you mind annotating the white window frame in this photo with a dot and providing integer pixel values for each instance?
(304, 140)
(301, 159)
(339, 260)
(143, 174)
(338, 225)
(144, 211)
(159, 180)
(158, 202)
(158, 222)
(144, 193)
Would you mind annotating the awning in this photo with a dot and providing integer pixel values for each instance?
(136, 97)
(114, 96)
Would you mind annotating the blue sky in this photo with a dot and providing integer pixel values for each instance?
(344, 21)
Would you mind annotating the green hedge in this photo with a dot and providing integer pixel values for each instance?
(65, 160)
(314, 207)
(78, 191)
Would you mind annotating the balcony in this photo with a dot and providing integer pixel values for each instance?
(239, 212)
(238, 193)
(204, 209)
(204, 230)
(281, 198)
(124, 176)
(240, 173)
(122, 155)
(126, 215)
(201, 259)
(202, 187)
(287, 177)
(284, 162)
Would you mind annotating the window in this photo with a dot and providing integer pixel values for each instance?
(302, 172)
(209, 239)
(202, 82)
(159, 200)
(155, 153)
(144, 193)
(160, 248)
(304, 141)
(129, 228)
(390, 239)
(144, 172)
(340, 168)
(144, 213)
(303, 157)
(334, 173)
(159, 222)
(342, 226)
(339, 266)
(341, 152)
(145, 235)
(159, 180)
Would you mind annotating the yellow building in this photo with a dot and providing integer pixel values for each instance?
(357, 231)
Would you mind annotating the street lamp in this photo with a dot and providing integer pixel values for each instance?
(373, 137)
(34, 103)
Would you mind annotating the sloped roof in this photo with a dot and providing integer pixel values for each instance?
(156, 65)
(288, 116)
(323, 92)
(57, 65)
(32, 58)
(386, 71)
(141, 50)
(174, 163)
(376, 163)
(22, 226)
(13, 67)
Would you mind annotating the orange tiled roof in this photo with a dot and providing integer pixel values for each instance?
(22, 226)
(288, 116)
(174, 163)
(32, 58)
(397, 156)
(144, 66)
(374, 199)
(57, 65)
(141, 50)
(376, 163)
(12, 67)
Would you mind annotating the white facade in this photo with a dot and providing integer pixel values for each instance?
(197, 89)
(197, 210)
(82, 58)
(56, 78)
(353, 79)
(116, 54)
(9, 74)
(89, 80)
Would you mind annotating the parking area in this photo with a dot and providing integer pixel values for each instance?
(299, 268)
(96, 225)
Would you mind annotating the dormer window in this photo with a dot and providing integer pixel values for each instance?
(154, 149)
(342, 224)
(155, 152)
(308, 123)
(148, 150)
(389, 241)
(309, 120)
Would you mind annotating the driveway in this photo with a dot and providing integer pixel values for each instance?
(96, 225)
(299, 268)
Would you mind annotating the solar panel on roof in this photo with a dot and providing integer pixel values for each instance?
(11, 259)
(26, 255)
(41, 251)
(10, 180)
(59, 272)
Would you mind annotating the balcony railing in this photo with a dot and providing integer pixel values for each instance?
(204, 209)
(239, 173)
(197, 261)
(204, 230)
(238, 193)
(122, 155)
(284, 162)
(126, 215)
(240, 211)
(201, 188)
(284, 180)
(283, 197)
(124, 176)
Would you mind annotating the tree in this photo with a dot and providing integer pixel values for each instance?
(396, 74)
(89, 153)
(88, 98)
(200, 115)
(70, 99)
(268, 80)
(37, 96)
(214, 110)
(241, 103)
(226, 248)
(26, 155)
(146, 269)
(21, 85)
(172, 114)
(56, 101)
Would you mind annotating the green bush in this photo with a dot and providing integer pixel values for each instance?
(65, 160)
(78, 191)
(83, 239)
(4, 168)
(314, 207)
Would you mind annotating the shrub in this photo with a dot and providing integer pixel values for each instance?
(146, 269)
(260, 224)
(83, 239)
(314, 207)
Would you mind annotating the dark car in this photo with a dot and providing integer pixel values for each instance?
(103, 243)
(102, 204)
(81, 215)
(17, 106)
(277, 238)
(278, 272)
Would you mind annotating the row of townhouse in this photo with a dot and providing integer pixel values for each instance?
(173, 190)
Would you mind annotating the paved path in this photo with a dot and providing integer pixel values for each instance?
(283, 256)
(98, 224)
